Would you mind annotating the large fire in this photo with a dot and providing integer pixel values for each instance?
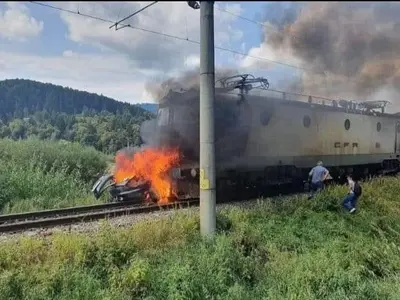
(149, 165)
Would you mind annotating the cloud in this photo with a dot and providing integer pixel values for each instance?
(17, 24)
(126, 59)
(192, 61)
(110, 75)
(146, 50)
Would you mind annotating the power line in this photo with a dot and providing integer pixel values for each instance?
(178, 38)
(72, 12)
(170, 36)
(131, 15)
(189, 40)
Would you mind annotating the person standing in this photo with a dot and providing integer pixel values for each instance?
(318, 175)
(355, 191)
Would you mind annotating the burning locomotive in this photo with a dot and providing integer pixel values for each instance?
(273, 138)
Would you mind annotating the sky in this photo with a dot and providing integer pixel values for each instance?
(48, 45)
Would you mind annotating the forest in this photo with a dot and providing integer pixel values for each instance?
(49, 112)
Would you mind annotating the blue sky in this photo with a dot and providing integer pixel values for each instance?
(44, 44)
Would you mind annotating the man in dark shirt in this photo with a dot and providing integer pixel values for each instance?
(355, 191)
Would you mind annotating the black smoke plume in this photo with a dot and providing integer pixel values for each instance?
(353, 49)
(231, 119)
(186, 81)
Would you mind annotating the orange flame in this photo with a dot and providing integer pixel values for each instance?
(149, 165)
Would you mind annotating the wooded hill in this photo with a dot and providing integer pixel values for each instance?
(46, 111)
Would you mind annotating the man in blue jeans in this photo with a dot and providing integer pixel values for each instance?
(318, 175)
(355, 191)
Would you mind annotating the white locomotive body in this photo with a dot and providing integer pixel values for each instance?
(272, 139)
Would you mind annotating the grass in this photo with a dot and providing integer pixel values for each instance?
(36, 175)
(294, 249)
(72, 157)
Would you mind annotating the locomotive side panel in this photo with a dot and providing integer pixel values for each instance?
(283, 134)
(351, 134)
(300, 135)
(273, 132)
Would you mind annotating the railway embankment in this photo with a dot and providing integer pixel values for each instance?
(292, 249)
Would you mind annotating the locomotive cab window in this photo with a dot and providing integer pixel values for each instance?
(378, 126)
(163, 116)
(347, 124)
(306, 121)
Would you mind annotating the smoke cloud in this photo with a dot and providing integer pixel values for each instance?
(353, 49)
(231, 118)
(186, 81)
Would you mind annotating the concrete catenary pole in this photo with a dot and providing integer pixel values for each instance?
(207, 135)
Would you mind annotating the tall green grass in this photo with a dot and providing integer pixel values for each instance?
(73, 157)
(36, 175)
(293, 249)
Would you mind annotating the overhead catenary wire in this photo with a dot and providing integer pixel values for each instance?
(130, 16)
(171, 36)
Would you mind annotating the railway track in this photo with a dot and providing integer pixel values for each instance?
(11, 223)
(66, 216)
(57, 217)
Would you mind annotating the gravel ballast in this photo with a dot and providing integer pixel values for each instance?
(122, 221)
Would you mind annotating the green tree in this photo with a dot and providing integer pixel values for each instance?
(49, 112)
(17, 128)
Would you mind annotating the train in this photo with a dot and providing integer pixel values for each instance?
(272, 138)
(267, 140)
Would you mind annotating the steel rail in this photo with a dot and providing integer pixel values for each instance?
(91, 216)
(63, 211)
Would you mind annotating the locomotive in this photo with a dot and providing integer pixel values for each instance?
(273, 138)
(266, 140)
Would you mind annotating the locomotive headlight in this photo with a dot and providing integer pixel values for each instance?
(193, 172)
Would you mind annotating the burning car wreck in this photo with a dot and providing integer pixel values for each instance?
(127, 190)
(142, 175)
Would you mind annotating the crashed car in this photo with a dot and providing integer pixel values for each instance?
(128, 190)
